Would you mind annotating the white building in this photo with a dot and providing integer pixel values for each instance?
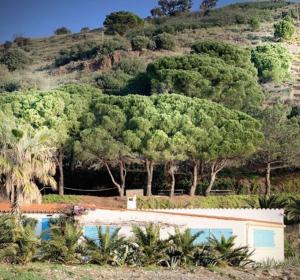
(260, 229)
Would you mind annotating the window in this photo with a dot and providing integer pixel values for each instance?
(45, 229)
(206, 233)
(263, 238)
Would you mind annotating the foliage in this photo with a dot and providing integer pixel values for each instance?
(21, 41)
(120, 22)
(63, 246)
(55, 198)
(231, 54)
(130, 66)
(85, 29)
(172, 7)
(282, 139)
(225, 253)
(90, 49)
(254, 23)
(151, 247)
(138, 43)
(208, 4)
(108, 248)
(15, 59)
(284, 29)
(182, 247)
(293, 210)
(204, 76)
(268, 202)
(228, 201)
(7, 81)
(165, 41)
(17, 240)
(273, 62)
(62, 31)
(25, 158)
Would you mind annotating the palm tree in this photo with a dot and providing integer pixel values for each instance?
(152, 248)
(26, 157)
(63, 245)
(225, 252)
(268, 202)
(18, 242)
(183, 245)
(107, 248)
(293, 211)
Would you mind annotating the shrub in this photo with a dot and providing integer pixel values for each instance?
(150, 247)
(7, 81)
(121, 22)
(182, 247)
(85, 29)
(273, 62)
(139, 43)
(107, 248)
(204, 76)
(55, 198)
(112, 81)
(284, 29)
(165, 41)
(89, 50)
(224, 252)
(151, 45)
(21, 41)
(130, 66)
(17, 240)
(62, 31)
(15, 59)
(63, 245)
(254, 23)
(7, 45)
(231, 54)
(111, 45)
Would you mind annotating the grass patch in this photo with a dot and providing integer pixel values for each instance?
(13, 273)
(55, 198)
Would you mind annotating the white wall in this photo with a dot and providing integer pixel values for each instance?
(267, 215)
(125, 219)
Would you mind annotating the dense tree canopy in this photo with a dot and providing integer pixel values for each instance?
(171, 7)
(231, 54)
(205, 76)
(163, 129)
(121, 22)
(58, 110)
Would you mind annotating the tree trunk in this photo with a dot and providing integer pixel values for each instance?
(120, 187)
(216, 167)
(195, 177)
(213, 176)
(16, 209)
(61, 173)
(171, 171)
(149, 167)
(268, 179)
(123, 173)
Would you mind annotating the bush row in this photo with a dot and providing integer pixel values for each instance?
(66, 244)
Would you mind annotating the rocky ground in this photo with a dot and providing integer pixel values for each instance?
(42, 271)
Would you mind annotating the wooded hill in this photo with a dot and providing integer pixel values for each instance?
(177, 98)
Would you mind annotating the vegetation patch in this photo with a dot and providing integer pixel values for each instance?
(55, 198)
